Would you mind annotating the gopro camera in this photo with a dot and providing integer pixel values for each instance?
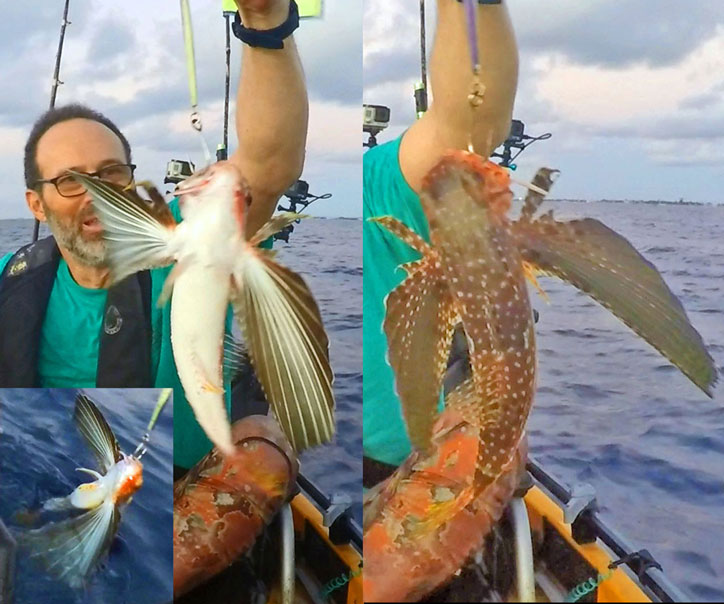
(178, 170)
(375, 118)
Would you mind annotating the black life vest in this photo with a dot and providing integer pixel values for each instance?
(124, 355)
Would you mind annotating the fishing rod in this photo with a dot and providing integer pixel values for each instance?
(421, 86)
(56, 83)
(223, 151)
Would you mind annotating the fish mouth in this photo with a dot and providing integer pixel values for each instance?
(196, 185)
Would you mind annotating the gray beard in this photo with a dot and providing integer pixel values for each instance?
(70, 237)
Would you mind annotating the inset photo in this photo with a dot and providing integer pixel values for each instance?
(86, 495)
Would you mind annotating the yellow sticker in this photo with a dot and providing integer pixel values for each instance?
(18, 267)
(307, 8)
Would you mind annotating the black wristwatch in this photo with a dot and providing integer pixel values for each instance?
(268, 38)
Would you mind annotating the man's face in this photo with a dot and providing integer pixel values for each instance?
(85, 146)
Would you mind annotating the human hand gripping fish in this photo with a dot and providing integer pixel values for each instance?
(215, 263)
(433, 513)
(71, 548)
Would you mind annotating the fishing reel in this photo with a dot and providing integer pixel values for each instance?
(517, 139)
(375, 118)
(298, 195)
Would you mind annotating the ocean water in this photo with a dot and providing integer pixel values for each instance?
(40, 449)
(328, 254)
(611, 411)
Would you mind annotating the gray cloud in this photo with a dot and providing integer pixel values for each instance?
(616, 34)
(109, 45)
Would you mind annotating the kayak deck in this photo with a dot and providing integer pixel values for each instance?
(322, 565)
(574, 555)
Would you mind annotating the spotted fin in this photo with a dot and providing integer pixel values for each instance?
(402, 231)
(137, 231)
(96, 432)
(419, 324)
(604, 265)
(71, 548)
(287, 345)
(543, 179)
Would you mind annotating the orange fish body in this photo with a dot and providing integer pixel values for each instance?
(433, 513)
(224, 502)
(425, 521)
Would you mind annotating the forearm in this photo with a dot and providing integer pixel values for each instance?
(271, 116)
(450, 122)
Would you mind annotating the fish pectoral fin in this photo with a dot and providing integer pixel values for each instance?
(58, 504)
(403, 232)
(93, 473)
(97, 433)
(167, 288)
(419, 324)
(274, 225)
(235, 358)
(137, 232)
(603, 264)
(71, 548)
(530, 273)
(542, 183)
(288, 347)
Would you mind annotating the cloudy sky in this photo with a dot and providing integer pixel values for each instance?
(634, 96)
(126, 59)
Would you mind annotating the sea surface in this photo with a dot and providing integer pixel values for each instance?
(40, 449)
(612, 412)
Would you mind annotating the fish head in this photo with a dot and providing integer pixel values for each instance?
(486, 182)
(221, 182)
(129, 479)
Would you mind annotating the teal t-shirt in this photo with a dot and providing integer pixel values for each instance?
(385, 193)
(70, 337)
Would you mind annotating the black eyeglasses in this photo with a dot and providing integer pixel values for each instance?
(67, 186)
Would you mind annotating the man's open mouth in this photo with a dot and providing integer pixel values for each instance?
(92, 224)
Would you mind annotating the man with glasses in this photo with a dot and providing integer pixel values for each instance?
(60, 323)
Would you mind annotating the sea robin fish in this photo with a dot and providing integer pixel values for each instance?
(71, 548)
(215, 263)
(423, 522)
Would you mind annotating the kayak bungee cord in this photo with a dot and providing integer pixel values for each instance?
(143, 445)
(191, 71)
(587, 586)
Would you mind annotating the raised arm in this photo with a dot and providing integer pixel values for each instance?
(271, 112)
(447, 123)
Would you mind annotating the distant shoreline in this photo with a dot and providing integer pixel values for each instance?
(653, 202)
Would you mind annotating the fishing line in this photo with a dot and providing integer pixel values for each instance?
(191, 71)
(143, 445)
(477, 88)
